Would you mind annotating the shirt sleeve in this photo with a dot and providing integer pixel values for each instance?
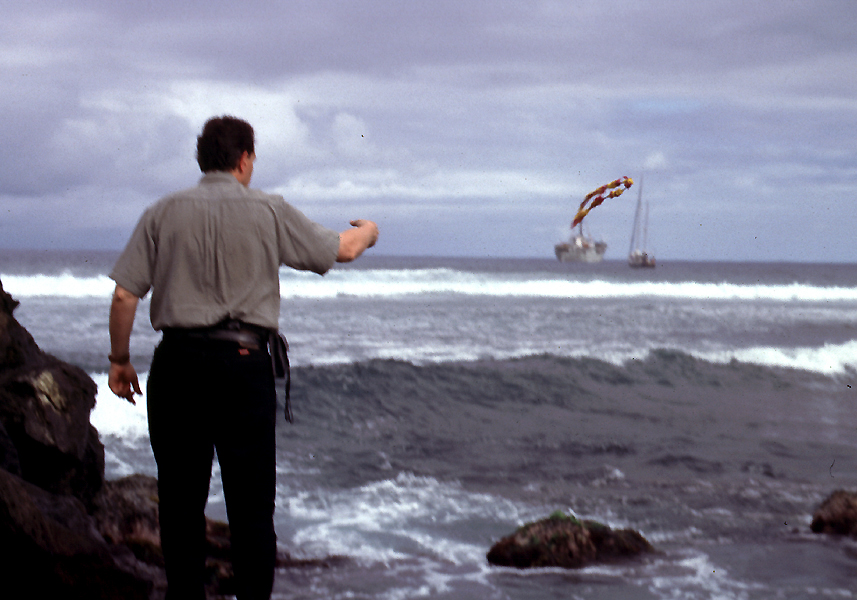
(304, 244)
(135, 267)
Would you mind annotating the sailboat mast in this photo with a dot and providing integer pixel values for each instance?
(646, 229)
(635, 234)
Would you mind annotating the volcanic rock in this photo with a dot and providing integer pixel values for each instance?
(46, 437)
(837, 514)
(564, 541)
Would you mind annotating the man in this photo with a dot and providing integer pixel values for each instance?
(211, 256)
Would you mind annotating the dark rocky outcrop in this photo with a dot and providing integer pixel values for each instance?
(52, 549)
(46, 437)
(837, 514)
(564, 541)
(51, 476)
(65, 531)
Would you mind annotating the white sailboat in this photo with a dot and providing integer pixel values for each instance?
(638, 255)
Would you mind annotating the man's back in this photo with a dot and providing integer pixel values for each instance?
(213, 252)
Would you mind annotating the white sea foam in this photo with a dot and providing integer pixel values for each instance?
(393, 519)
(696, 572)
(64, 285)
(399, 283)
(829, 359)
(115, 417)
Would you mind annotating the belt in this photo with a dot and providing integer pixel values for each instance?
(250, 337)
(247, 339)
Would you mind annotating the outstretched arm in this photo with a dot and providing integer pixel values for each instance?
(122, 379)
(353, 242)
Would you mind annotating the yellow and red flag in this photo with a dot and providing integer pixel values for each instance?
(599, 195)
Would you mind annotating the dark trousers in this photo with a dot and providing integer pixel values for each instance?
(205, 395)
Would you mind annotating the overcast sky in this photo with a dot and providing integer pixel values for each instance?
(464, 128)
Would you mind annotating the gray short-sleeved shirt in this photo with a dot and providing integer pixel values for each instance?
(213, 252)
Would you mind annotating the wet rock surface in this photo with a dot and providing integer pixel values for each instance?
(837, 514)
(564, 541)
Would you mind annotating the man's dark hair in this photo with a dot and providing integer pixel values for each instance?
(223, 141)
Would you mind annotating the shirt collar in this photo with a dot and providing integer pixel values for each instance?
(219, 177)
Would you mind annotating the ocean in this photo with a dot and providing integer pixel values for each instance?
(442, 402)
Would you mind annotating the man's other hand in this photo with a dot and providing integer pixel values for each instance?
(123, 382)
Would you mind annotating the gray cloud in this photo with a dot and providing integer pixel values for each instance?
(467, 127)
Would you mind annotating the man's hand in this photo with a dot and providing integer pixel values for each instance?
(122, 381)
(353, 242)
(369, 228)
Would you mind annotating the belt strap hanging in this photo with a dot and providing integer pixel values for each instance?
(279, 348)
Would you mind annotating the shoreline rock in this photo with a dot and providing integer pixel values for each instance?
(564, 541)
(51, 479)
(66, 531)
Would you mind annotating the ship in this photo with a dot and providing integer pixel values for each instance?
(580, 248)
(638, 255)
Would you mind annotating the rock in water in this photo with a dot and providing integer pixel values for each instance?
(564, 541)
(837, 514)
